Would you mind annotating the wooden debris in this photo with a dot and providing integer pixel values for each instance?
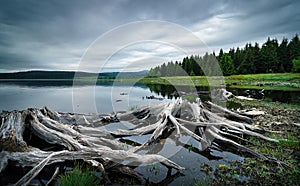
(76, 137)
(244, 98)
(252, 113)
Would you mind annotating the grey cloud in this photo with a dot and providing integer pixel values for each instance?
(54, 34)
(256, 20)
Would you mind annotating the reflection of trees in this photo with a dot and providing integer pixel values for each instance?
(171, 91)
(282, 96)
(168, 179)
(164, 90)
(160, 144)
(269, 95)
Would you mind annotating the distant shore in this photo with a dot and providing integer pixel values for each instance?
(272, 81)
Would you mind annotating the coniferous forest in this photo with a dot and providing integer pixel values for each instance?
(271, 57)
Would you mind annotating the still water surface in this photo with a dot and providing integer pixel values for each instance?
(102, 98)
(107, 98)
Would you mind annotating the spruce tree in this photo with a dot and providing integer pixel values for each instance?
(283, 55)
(227, 65)
(294, 48)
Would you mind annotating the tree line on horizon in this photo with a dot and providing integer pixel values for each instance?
(271, 57)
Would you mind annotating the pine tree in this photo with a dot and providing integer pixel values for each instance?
(283, 55)
(186, 65)
(220, 54)
(195, 68)
(163, 70)
(227, 65)
(269, 57)
(231, 53)
(247, 65)
(294, 48)
(238, 58)
(257, 57)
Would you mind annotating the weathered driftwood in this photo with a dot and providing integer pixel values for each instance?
(244, 98)
(11, 132)
(56, 172)
(221, 94)
(251, 113)
(229, 113)
(76, 137)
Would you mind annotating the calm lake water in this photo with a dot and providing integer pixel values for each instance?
(102, 98)
(65, 98)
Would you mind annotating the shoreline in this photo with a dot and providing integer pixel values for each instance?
(278, 81)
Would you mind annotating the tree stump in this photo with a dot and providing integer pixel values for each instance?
(75, 137)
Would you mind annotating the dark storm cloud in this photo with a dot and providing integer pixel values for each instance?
(54, 34)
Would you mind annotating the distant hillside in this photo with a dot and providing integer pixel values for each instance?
(69, 75)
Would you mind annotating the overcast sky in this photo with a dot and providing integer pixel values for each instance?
(55, 34)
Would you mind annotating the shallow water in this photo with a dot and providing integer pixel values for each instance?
(282, 96)
(183, 150)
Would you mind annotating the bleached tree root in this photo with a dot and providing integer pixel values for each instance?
(76, 138)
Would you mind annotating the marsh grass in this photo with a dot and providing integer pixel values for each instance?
(79, 176)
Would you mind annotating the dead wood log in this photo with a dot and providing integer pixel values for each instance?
(202, 117)
(136, 132)
(118, 156)
(229, 113)
(80, 146)
(77, 137)
(79, 119)
(215, 133)
(11, 132)
(221, 94)
(25, 180)
(45, 158)
(99, 165)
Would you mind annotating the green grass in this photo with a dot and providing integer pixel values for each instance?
(78, 176)
(288, 141)
(258, 171)
(238, 103)
(278, 81)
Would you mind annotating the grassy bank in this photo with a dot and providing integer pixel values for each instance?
(279, 81)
